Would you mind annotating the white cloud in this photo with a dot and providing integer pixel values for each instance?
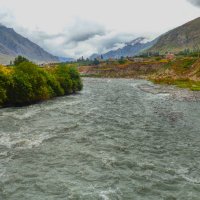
(75, 27)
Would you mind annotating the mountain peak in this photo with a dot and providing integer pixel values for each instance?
(137, 40)
(132, 48)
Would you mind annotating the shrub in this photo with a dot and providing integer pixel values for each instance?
(20, 92)
(2, 95)
(26, 83)
(69, 79)
(53, 84)
(76, 80)
(5, 82)
(122, 61)
(96, 62)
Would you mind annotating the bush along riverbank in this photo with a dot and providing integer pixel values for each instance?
(27, 83)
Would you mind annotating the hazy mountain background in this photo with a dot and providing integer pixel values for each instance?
(65, 59)
(130, 49)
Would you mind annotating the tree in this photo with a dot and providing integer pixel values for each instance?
(197, 49)
(96, 61)
(122, 60)
(20, 59)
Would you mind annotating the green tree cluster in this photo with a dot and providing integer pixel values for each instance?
(20, 59)
(122, 60)
(27, 84)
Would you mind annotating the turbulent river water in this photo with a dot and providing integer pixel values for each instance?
(117, 139)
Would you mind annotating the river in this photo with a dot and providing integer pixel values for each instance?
(117, 139)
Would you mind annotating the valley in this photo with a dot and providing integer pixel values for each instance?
(99, 100)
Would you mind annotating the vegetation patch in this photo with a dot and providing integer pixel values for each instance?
(27, 83)
(181, 83)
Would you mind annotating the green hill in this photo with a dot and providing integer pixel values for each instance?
(184, 37)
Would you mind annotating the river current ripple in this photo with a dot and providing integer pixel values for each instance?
(117, 139)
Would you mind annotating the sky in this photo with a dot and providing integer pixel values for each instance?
(75, 28)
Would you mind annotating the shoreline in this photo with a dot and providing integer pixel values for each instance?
(183, 72)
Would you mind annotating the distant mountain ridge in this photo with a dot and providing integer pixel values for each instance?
(65, 59)
(130, 49)
(179, 39)
(183, 37)
(13, 44)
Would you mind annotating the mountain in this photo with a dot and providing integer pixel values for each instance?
(12, 44)
(65, 59)
(184, 37)
(130, 49)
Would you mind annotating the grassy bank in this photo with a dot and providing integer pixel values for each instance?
(181, 83)
(183, 72)
(27, 83)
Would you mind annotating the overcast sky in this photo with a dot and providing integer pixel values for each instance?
(73, 28)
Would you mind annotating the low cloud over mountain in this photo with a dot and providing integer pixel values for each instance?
(82, 38)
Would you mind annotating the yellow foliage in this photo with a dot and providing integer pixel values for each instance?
(5, 70)
(164, 61)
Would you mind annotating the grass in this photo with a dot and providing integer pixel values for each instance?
(181, 83)
(91, 75)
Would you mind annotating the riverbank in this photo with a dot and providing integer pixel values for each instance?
(183, 72)
(129, 69)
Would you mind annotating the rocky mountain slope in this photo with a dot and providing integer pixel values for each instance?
(13, 44)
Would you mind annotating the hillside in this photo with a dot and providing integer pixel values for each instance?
(184, 37)
(13, 44)
(183, 72)
(132, 48)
